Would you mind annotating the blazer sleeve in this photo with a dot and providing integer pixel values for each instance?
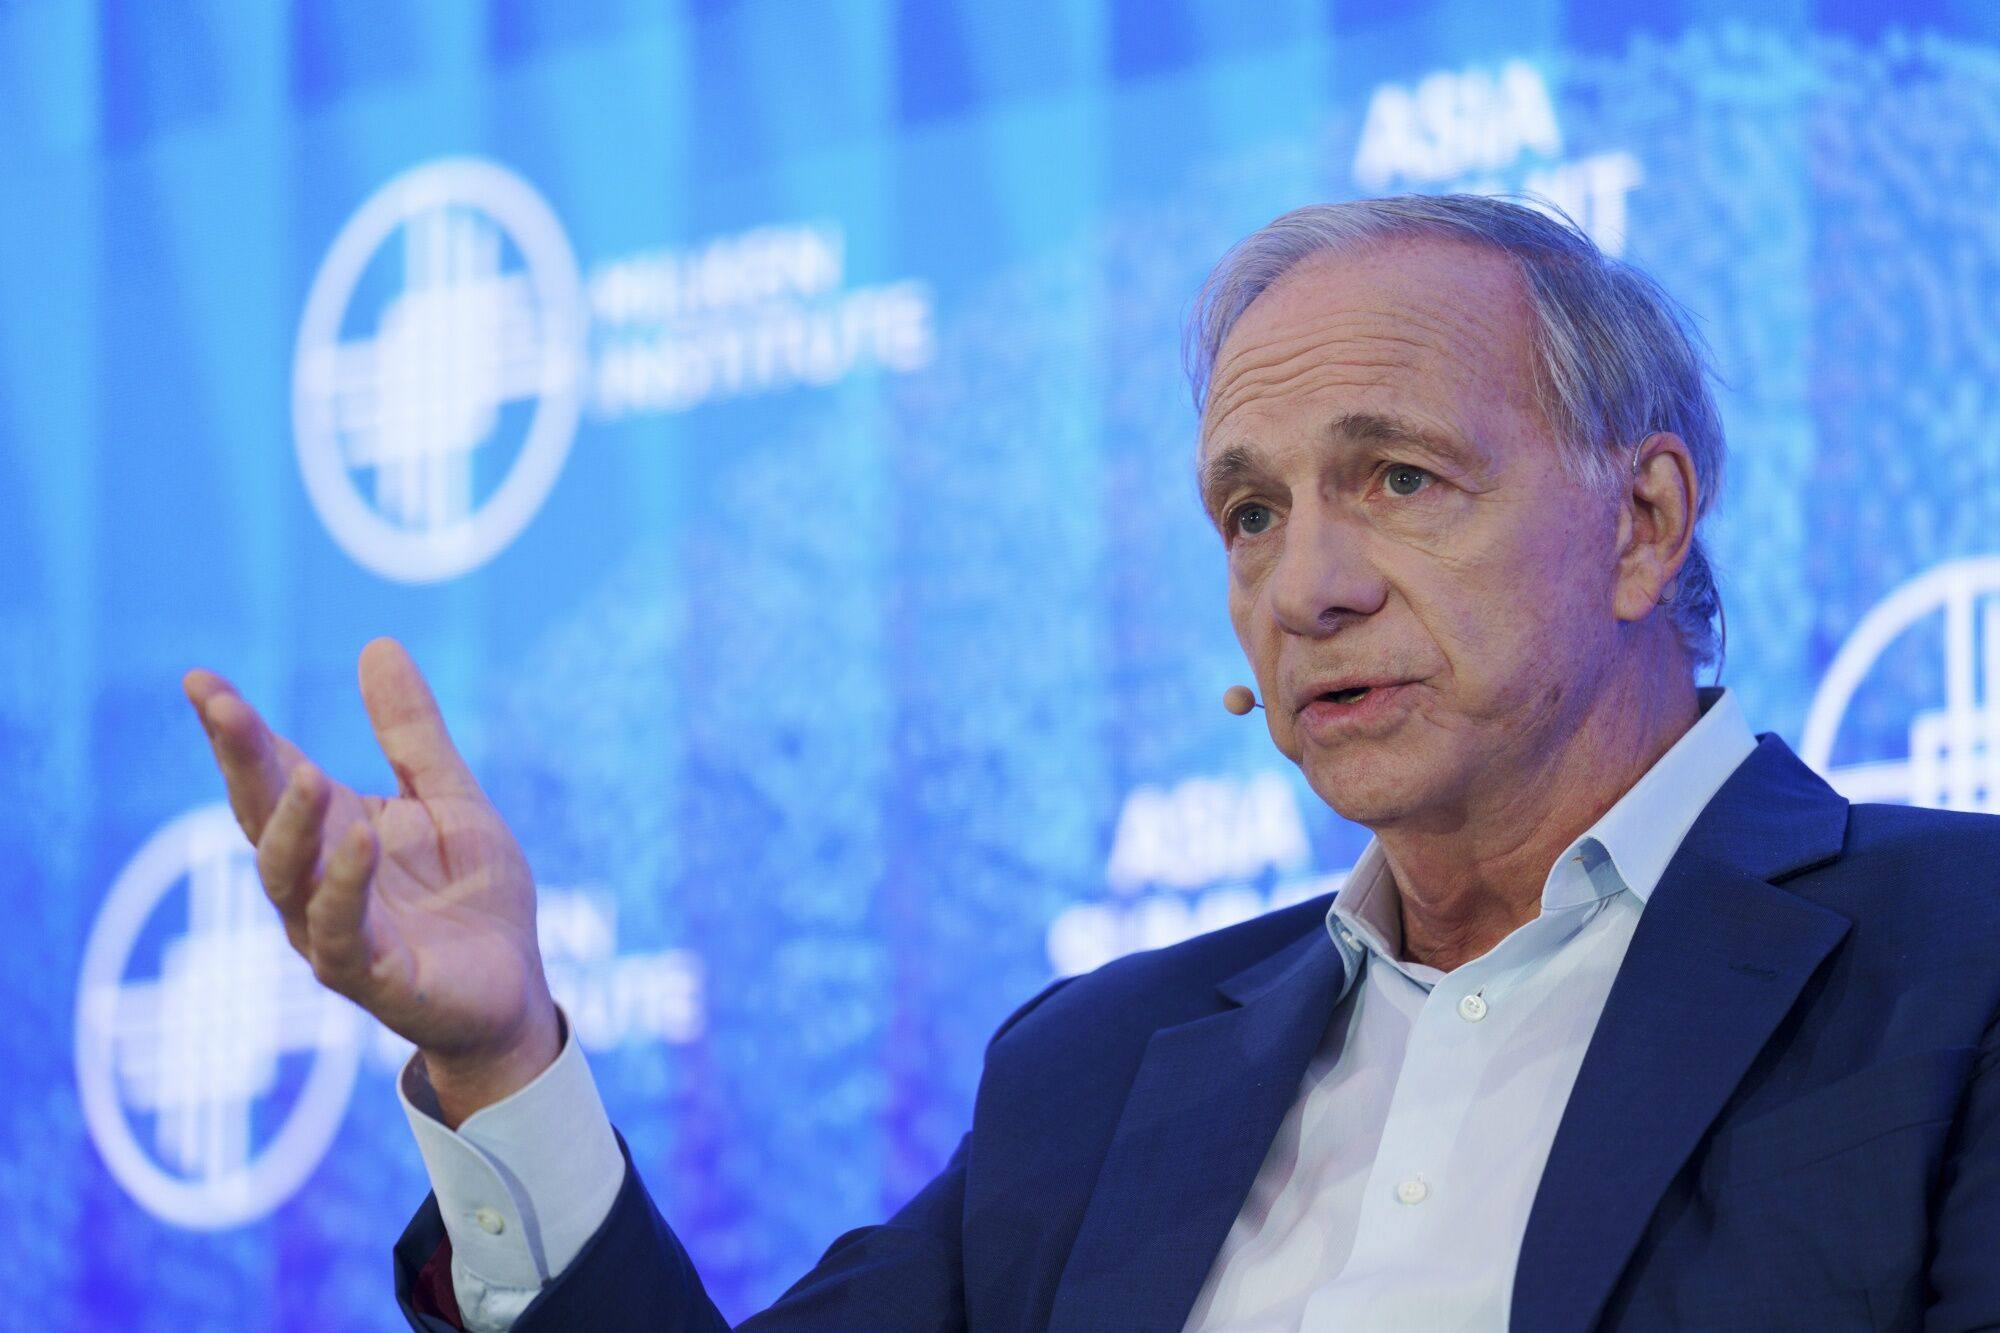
(905, 1275)
(1965, 1234)
(633, 1274)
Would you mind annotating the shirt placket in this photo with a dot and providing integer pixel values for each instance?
(1408, 1208)
(1407, 1190)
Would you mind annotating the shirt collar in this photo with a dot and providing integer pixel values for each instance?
(1628, 848)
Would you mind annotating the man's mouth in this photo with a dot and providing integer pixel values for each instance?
(1353, 709)
(1347, 698)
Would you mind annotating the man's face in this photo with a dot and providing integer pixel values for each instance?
(1390, 496)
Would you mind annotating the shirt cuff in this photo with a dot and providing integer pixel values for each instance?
(523, 1183)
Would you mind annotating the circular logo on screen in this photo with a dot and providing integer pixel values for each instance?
(214, 1070)
(1944, 624)
(436, 384)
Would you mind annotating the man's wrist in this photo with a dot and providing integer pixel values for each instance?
(465, 1085)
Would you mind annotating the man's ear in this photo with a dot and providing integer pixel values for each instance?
(1659, 500)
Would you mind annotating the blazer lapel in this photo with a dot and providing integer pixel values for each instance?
(1202, 1111)
(1717, 961)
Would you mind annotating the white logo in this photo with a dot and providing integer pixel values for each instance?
(1206, 853)
(474, 349)
(758, 312)
(448, 348)
(1454, 122)
(1488, 132)
(1954, 751)
(1203, 830)
(615, 1000)
(214, 1084)
(173, 1067)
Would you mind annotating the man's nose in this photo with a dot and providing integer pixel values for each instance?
(1324, 574)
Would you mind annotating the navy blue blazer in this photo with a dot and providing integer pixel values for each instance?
(1788, 1116)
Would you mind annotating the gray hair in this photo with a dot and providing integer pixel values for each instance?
(1616, 357)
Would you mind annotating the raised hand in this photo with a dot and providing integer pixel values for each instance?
(419, 907)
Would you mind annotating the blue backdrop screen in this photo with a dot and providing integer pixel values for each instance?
(764, 424)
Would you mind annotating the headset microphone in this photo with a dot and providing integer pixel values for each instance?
(1238, 700)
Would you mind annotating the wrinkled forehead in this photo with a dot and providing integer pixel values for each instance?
(1430, 328)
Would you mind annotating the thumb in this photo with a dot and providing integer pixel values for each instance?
(408, 726)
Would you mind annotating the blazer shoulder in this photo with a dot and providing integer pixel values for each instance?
(1886, 835)
(1922, 884)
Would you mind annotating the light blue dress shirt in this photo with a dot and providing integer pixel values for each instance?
(521, 1184)
(1397, 1189)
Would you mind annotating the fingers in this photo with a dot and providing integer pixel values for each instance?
(408, 725)
(283, 801)
(288, 851)
(338, 908)
(245, 750)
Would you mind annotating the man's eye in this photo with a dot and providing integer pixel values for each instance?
(1404, 480)
(1250, 519)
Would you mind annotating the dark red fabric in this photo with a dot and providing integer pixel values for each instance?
(434, 1295)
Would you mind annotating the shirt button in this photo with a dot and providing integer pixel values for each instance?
(1472, 1008)
(1348, 936)
(490, 1221)
(1412, 1190)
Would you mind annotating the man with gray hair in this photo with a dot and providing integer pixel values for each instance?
(1624, 1018)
